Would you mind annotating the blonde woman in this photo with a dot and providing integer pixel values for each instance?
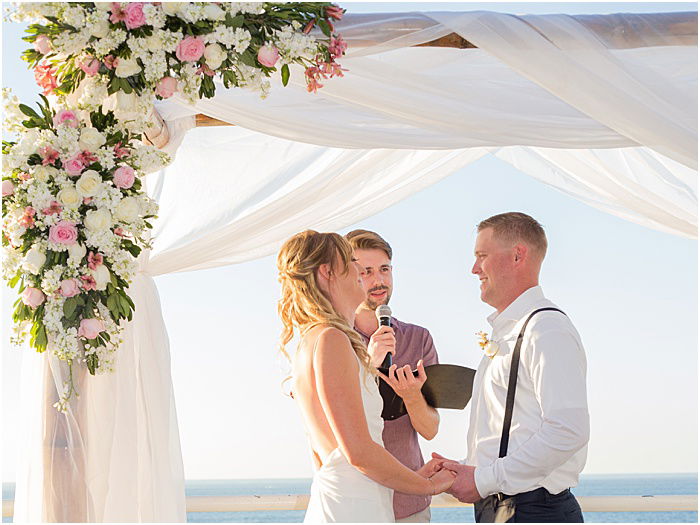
(336, 387)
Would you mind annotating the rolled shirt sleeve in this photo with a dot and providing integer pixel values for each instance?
(555, 362)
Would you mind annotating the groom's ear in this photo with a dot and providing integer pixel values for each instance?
(520, 253)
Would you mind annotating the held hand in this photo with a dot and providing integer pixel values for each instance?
(404, 383)
(442, 481)
(381, 343)
(430, 468)
(464, 487)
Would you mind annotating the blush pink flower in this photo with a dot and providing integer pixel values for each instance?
(32, 297)
(134, 15)
(313, 75)
(268, 55)
(91, 66)
(309, 26)
(74, 166)
(119, 231)
(206, 70)
(65, 117)
(166, 87)
(27, 220)
(45, 76)
(124, 177)
(190, 49)
(90, 328)
(42, 44)
(70, 287)
(7, 188)
(24, 176)
(54, 208)
(335, 12)
(109, 61)
(94, 260)
(118, 14)
(337, 46)
(49, 155)
(63, 232)
(88, 282)
(87, 158)
(120, 151)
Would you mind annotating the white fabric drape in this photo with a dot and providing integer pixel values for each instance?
(565, 99)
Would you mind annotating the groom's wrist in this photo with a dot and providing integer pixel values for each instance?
(485, 480)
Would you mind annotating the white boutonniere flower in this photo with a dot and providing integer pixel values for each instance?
(489, 346)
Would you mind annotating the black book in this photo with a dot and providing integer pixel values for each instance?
(446, 386)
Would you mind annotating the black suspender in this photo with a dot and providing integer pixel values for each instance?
(513, 380)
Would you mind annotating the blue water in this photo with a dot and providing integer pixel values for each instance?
(600, 485)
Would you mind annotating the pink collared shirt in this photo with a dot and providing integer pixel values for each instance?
(400, 438)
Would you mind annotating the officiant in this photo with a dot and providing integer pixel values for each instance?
(411, 347)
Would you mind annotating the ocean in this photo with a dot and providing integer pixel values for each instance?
(590, 485)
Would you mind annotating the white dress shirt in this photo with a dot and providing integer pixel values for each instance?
(550, 428)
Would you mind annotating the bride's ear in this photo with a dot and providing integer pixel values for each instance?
(325, 272)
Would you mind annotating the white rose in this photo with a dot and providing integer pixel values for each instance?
(42, 173)
(98, 220)
(214, 55)
(214, 12)
(69, 197)
(102, 276)
(99, 29)
(103, 6)
(171, 8)
(154, 41)
(127, 67)
(127, 210)
(89, 184)
(34, 260)
(91, 139)
(77, 251)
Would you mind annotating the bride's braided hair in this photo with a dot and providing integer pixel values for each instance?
(303, 305)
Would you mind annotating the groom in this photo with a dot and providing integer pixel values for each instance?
(521, 471)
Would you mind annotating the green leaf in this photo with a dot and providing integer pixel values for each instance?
(69, 307)
(28, 111)
(285, 74)
(92, 361)
(325, 28)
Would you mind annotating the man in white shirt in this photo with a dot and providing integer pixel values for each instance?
(522, 471)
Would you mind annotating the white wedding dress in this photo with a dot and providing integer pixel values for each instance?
(342, 494)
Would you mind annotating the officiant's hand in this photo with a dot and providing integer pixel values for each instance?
(381, 343)
(404, 383)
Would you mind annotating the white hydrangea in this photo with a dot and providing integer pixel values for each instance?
(106, 158)
(124, 265)
(52, 279)
(150, 159)
(237, 39)
(109, 198)
(154, 16)
(252, 78)
(253, 8)
(12, 116)
(11, 261)
(70, 43)
(110, 42)
(293, 44)
(190, 82)
(104, 241)
(39, 194)
(155, 66)
(191, 12)
(66, 141)
(35, 12)
(92, 92)
(74, 16)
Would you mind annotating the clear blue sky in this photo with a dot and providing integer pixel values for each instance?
(631, 291)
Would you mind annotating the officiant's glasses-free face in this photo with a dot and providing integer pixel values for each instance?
(376, 276)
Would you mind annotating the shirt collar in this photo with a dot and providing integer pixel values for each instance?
(518, 308)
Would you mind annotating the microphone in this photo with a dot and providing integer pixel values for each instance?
(383, 314)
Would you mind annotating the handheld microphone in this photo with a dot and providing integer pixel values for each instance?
(383, 314)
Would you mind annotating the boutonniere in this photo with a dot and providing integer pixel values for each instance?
(489, 346)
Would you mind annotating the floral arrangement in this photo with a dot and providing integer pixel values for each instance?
(75, 217)
(143, 48)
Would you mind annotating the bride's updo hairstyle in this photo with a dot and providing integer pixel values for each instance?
(303, 305)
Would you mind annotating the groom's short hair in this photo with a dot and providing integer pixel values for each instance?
(517, 227)
(367, 240)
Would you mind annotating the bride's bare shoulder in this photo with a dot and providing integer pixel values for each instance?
(325, 339)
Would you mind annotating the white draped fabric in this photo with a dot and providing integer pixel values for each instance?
(558, 97)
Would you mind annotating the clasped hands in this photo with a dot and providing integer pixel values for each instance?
(452, 477)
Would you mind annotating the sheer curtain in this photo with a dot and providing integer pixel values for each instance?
(608, 119)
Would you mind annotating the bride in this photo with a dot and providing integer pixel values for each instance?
(336, 387)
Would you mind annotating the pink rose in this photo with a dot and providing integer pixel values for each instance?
(70, 287)
(268, 56)
(109, 61)
(134, 15)
(67, 117)
(166, 87)
(42, 44)
(32, 297)
(74, 166)
(190, 49)
(7, 188)
(90, 328)
(123, 177)
(91, 66)
(63, 232)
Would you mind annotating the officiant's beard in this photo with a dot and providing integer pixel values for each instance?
(369, 304)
